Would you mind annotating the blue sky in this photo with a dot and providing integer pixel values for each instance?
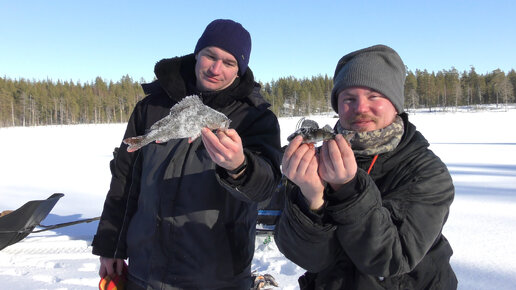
(80, 40)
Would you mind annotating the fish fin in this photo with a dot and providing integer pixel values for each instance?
(162, 140)
(134, 143)
(191, 139)
(349, 137)
(299, 123)
(327, 128)
(163, 121)
(292, 136)
(307, 123)
(186, 103)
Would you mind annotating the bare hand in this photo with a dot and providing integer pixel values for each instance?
(110, 267)
(225, 148)
(300, 165)
(337, 164)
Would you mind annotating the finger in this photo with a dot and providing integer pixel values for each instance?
(313, 166)
(329, 160)
(295, 160)
(119, 266)
(220, 142)
(305, 161)
(229, 143)
(208, 135)
(102, 271)
(230, 147)
(345, 149)
(342, 143)
(109, 269)
(233, 135)
(291, 148)
(213, 153)
(220, 154)
(209, 139)
(325, 158)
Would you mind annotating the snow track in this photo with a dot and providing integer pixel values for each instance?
(45, 261)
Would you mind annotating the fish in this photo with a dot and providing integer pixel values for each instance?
(185, 120)
(265, 281)
(312, 134)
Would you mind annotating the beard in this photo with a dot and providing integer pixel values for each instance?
(359, 118)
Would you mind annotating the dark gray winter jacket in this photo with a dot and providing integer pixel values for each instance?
(181, 220)
(380, 231)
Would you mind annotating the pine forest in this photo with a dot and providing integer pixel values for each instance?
(33, 103)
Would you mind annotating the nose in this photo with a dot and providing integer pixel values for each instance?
(216, 67)
(361, 105)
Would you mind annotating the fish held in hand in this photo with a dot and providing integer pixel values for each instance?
(185, 120)
(311, 133)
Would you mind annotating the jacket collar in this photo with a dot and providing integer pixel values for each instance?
(177, 77)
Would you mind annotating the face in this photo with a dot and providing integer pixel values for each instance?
(216, 69)
(362, 109)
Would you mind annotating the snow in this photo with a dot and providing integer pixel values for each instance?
(477, 146)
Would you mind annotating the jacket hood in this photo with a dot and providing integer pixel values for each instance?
(177, 77)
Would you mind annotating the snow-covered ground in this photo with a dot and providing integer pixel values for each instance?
(479, 148)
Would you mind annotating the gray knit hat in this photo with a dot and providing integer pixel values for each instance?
(377, 67)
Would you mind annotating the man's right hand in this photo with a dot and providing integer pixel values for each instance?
(110, 267)
(300, 165)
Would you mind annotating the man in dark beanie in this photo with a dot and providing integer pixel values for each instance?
(185, 213)
(368, 213)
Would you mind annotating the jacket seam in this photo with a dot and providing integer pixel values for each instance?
(124, 221)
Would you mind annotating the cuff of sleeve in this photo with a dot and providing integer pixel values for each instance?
(224, 175)
(315, 215)
(345, 192)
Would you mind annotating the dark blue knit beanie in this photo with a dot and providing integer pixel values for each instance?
(230, 36)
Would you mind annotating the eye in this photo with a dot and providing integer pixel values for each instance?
(230, 63)
(374, 96)
(347, 100)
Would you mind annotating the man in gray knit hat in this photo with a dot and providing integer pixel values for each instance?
(368, 214)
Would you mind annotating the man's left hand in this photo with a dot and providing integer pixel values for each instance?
(225, 147)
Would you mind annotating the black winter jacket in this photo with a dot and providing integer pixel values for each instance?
(380, 231)
(181, 220)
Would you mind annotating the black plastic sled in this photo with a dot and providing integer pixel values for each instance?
(15, 226)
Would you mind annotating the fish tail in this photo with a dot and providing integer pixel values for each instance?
(134, 143)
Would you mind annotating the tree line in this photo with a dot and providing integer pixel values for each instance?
(32, 103)
(444, 89)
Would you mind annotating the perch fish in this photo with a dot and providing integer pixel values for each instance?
(311, 133)
(185, 120)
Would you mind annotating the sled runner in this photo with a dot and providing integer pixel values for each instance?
(18, 224)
